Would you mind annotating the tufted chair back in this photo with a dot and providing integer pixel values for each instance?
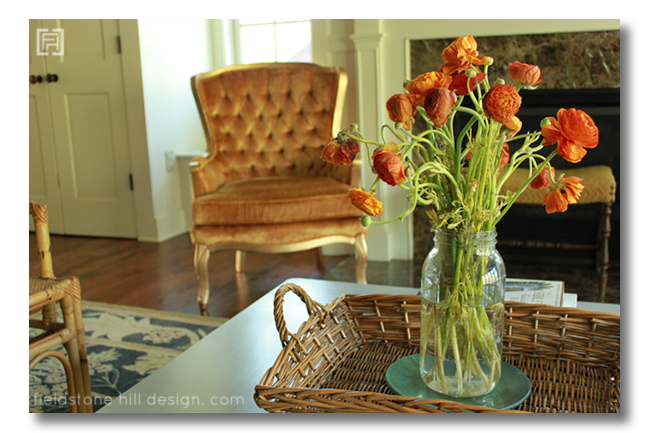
(268, 119)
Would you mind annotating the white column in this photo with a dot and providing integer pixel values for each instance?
(385, 241)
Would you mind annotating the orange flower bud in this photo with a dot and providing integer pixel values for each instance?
(460, 55)
(543, 179)
(400, 109)
(459, 83)
(340, 152)
(365, 201)
(502, 102)
(525, 74)
(438, 105)
(389, 167)
(420, 86)
(568, 192)
(573, 130)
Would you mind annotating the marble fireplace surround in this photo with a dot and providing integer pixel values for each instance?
(585, 64)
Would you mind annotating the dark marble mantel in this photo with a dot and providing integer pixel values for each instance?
(568, 60)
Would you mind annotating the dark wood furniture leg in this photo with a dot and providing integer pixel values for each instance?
(602, 255)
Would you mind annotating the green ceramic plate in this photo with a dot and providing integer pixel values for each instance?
(403, 377)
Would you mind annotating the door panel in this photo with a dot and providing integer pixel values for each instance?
(88, 118)
(43, 184)
(90, 145)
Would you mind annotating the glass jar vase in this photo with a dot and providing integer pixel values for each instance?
(463, 287)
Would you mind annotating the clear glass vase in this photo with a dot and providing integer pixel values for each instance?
(463, 286)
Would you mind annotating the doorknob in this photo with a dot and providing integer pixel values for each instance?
(52, 78)
(35, 79)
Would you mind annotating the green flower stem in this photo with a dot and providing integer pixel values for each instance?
(486, 82)
(475, 114)
(464, 132)
(459, 366)
(438, 132)
(360, 138)
(374, 185)
(523, 187)
(399, 218)
(485, 171)
(395, 134)
(518, 137)
(440, 358)
(477, 105)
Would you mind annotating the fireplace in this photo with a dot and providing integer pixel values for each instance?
(580, 70)
(579, 224)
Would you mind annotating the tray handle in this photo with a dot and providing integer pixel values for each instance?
(278, 313)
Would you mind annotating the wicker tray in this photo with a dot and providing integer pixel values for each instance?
(337, 360)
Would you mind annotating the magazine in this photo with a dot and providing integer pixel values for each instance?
(538, 292)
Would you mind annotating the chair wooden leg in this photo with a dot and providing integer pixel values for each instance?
(49, 314)
(361, 246)
(240, 261)
(83, 357)
(320, 262)
(201, 256)
(602, 255)
(72, 347)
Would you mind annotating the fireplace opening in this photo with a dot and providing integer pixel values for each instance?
(580, 223)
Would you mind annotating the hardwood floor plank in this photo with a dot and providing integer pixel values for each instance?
(161, 275)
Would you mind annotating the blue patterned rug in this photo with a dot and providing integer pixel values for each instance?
(124, 345)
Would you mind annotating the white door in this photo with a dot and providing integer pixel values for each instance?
(84, 154)
(43, 183)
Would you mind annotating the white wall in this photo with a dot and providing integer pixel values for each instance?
(171, 51)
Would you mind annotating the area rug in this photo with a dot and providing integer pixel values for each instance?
(124, 345)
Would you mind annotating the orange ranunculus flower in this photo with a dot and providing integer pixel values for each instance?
(459, 83)
(365, 201)
(438, 105)
(400, 109)
(502, 102)
(543, 179)
(388, 166)
(513, 127)
(568, 192)
(525, 74)
(340, 152)
(573, 130)
(460, 55)
(420, 86)
(505, 156)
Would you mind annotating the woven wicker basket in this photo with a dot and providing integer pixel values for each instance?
(337, 360)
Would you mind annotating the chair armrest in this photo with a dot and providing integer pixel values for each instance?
(204, 175)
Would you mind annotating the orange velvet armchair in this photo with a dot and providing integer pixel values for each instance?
(263, 186)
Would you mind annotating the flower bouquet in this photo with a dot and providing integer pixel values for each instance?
(458, 171)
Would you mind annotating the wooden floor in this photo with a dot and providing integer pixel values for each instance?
(161, 275)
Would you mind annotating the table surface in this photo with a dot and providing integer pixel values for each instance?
(219, 373)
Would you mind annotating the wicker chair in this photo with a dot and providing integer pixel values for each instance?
(44, 292)
(263, 187)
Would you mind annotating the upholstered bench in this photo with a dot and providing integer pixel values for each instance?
(600, 187)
